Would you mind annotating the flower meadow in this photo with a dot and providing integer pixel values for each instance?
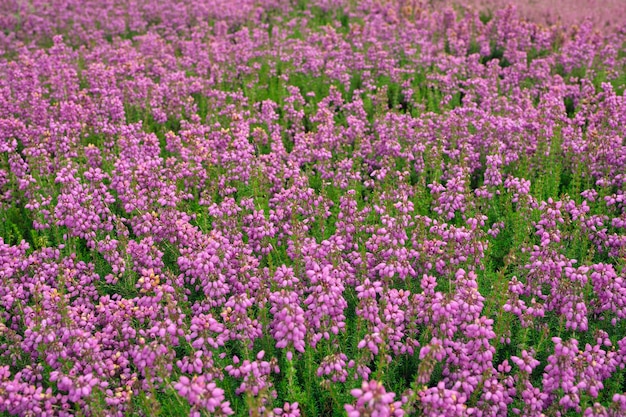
(310, 208)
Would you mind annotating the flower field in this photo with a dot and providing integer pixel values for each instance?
(310, 208)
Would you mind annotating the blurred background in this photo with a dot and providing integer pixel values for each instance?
(604, 14)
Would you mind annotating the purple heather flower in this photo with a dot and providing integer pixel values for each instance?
(373, 400)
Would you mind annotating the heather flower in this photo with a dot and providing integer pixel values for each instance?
(203, 396)
(373, 400)
(288, 410)
(288, 326)
(255, 374)
(334, 366)
(442, 401)
(526, 362)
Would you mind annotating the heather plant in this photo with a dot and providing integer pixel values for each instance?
(311, 208)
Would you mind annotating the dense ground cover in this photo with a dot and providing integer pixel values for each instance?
(309, 208)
